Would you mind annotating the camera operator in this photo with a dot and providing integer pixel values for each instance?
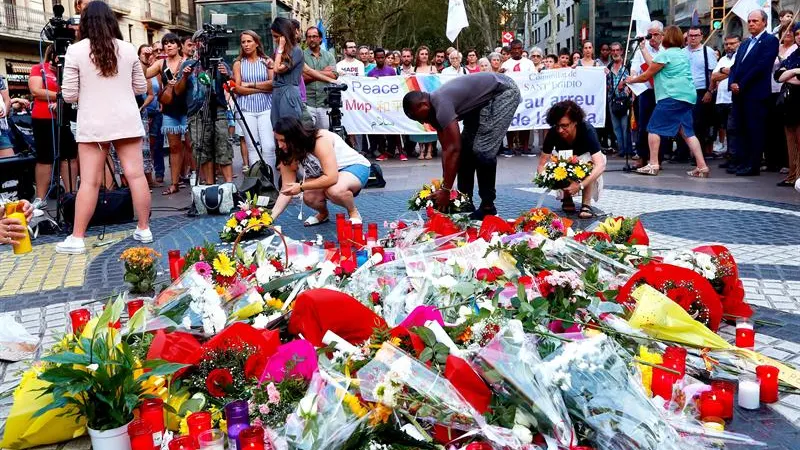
(97, 69)
(208, 132)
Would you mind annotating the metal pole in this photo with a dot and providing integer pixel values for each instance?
(628, 44)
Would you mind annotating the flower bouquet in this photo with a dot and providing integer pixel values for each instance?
(726, 281)
(254, 219)
(543, 222)
(140, 268)
(558, 173)
(624, 230)
(425, 198)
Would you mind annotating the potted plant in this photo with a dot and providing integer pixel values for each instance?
(99, 374)
(140, 268)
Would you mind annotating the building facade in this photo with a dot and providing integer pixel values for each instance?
(140, 22)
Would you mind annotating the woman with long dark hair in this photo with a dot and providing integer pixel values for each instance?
(288, 68)
(322, 166)
(98, 69)
(252, 75)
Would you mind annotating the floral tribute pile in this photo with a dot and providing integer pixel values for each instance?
(450, 334)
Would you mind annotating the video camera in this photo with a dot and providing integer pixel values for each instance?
(211, 42)
(334, 92)
(58, 29)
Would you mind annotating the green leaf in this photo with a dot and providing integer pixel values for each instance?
(131, 277)
(440, 348)
(426, 335)
(68, 358)
(426, 355)
(441, 358)
(282, 282)
(163, 369)
(63, 374)
(137, 323)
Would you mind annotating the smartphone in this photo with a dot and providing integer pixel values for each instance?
(168, 74)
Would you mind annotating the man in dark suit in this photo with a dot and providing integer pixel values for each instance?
(750, 84)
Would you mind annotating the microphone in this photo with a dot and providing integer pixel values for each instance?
(642, 38)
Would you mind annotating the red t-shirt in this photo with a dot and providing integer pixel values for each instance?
(40, 107)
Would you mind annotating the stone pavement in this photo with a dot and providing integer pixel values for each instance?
(40, 288)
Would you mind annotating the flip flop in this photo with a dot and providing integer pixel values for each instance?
(314, 221)
(171, 190)
(586, 212)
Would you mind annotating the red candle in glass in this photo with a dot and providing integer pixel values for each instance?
(346, 251)
(727, 391)
(358, 234)
(675, 359)
(197, 423)
(711, 404)
(174, 257)
(79, 318)
(152, 412)
(251, 439)
(768, 376)
(372, 232)
(745, 335)
(329, 245)
(340, 227)
(134, 305)
(378, 249)
(141, 435)
(182, 443)
(661, 383)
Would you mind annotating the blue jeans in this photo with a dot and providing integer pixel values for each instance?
(157, 149)
(622, 129)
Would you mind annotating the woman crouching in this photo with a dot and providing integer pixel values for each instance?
(321, 166)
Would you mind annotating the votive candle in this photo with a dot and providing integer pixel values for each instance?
(133, 306)
(358, 234)
(152, 412)
(174, 257)
(675, 359)
(768, 378)
(141, 435)
(251, 438)
(198, 422)
(79, 318)
(340, 227)
(745, 335)
(372, 232)
(749, 392)
(726, 390)
(661, 383)
(211, 440)
(710, 405)
(182, 443)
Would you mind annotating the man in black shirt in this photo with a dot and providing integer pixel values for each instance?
(486, 102)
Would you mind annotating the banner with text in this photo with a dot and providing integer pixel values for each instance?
(375, 105)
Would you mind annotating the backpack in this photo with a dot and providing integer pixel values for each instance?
(376, 179)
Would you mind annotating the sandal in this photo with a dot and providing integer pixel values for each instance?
(172, 189)
(421, 156)
(568, 205)
(649, 169)
(699, 173)
(428, 156)
(586, 212)
(315, 220)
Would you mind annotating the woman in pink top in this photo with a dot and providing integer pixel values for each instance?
(103, 74)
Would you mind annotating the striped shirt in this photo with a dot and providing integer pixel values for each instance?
(255, 72)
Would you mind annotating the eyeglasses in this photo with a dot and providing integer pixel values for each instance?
(695, 35)
(313, 36)
(536, 56)
(564, 126)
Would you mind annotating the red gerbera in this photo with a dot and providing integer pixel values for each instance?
(218, 382)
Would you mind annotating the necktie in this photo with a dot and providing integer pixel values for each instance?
(750, 46)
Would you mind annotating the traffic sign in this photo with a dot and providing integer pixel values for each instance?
(507, 37)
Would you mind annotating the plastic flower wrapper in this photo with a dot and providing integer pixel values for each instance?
(326, 417)
(192, 301)
(509, 362)
(404, 384)
(599, 390)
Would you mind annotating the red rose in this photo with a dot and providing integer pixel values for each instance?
(375, 297)
(401, 225)
(544, 288)
(348, 266)
(485, 275)
(218, 382)
(525, 280)
(497, 272)
(254, 366)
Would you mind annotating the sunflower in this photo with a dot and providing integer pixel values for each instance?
(224, 266)
(560, 173)
(231, 223)
(579, 172)
(425, 193)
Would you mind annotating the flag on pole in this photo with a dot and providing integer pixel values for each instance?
(743, 8)
(322, 35)
(641, 15)
(695, 18)
(456, 19)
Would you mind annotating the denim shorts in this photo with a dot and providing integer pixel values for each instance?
(5, 138)
(360, 172)
(174, 125)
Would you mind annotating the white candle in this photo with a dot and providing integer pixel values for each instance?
(749, 393)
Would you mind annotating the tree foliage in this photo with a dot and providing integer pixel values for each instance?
(395, 24)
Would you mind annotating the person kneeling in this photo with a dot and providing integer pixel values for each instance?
(322, 166)
(570, 131)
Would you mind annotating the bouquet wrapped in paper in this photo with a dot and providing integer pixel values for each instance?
(425, 198)
(600, 391)
(559, 172)
(193, 301)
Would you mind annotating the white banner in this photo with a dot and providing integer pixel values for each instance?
(375, 105)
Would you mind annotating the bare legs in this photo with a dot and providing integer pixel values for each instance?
(341, 194)
(175, 161)
(654, 141)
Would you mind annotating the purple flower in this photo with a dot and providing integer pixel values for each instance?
(241, 215)
(203, 268)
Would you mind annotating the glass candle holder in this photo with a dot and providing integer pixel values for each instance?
(141, 435)
(174, 257)
(745, 334)
(133, 306)
(211, 440)
(768, 378)
(727, 391)
(710, 404)
(749, 392)
(79, 318)
(152, 412)
(675, 359)
(358, 234)
(238, 418)
(182, 443)
(662, 383)
(251, 438)
(372, 232)
(198, 422)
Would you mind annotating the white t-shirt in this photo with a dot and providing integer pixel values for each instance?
(452, 71)
(354, 68)
(638, 61)
(521, 65)
(724, 96)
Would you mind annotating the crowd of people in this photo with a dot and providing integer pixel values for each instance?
(737, 103)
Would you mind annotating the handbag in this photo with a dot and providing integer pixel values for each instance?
(620, 105)
(214, 198)
(787, 104)
(113, 206)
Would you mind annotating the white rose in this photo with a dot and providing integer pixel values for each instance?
(265, 273)
(260, 322)
(445, 282)
(92, 367)
(308, 406)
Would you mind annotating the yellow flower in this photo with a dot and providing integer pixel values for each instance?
(436, 183)
(425, 193)
(610, 226)
(647, 371)
(220, 290)
(560, 173)
(224, 266)
(541, 230)
(355, 406)
(265, 219)
(379, 415)
(275, 303)
(231, 223)
(579, 172)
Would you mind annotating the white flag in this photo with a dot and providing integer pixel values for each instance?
(456, 19)
(641, 15)
(743, 8)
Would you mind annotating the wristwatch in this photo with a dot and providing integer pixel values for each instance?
(301, 186)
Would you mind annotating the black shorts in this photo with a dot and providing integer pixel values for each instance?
(723, 111)
(44, 130)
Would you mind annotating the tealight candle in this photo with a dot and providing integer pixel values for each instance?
(710, 404)
(768, 378)
(745, 335)
(749, 392)
(714, 424)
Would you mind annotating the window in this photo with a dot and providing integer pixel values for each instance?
(569, 15)
(558, 25)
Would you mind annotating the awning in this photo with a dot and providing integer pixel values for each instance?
(20, 68)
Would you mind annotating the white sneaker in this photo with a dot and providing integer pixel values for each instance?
(143, 236)
(71, 246)
(39, 203)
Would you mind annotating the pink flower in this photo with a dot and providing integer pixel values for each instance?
(236, 289)
(453, 194)
(240, 215)
(203, 269)
(263, 409)
(558, 225)
(258, 423)
(273, 393)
